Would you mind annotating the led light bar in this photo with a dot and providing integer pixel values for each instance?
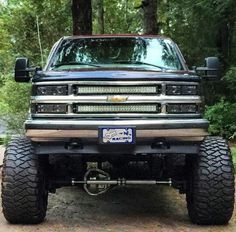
(117, 90)
(125, 108)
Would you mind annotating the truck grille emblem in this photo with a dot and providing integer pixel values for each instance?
(117, 99)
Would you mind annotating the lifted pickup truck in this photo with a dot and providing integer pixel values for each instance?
(111, 111)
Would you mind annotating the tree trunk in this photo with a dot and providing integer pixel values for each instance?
(150, 16)
(100, 16)
(82, 17)
(223, 42)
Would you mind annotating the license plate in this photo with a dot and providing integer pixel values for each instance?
(110, 135)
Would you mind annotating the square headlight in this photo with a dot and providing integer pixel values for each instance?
(173, 90)
(182, 108)
(52, 90)
(51, 108)
(189, 89)
(181, 90)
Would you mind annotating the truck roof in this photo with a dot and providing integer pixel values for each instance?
(115, 36)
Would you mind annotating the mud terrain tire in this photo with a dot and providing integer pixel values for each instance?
(210, 192)
(24, 194)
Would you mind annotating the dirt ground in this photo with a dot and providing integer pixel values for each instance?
(133, 209)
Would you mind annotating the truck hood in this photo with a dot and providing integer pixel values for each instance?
(114, 75)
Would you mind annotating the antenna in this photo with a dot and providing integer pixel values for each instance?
(39, 40)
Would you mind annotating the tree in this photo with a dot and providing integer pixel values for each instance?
(82, 17)
(150, 16)
(121, 17)
(226, 11)
(101, 26)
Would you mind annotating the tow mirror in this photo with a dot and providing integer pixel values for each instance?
(211, 71)
(22, 72)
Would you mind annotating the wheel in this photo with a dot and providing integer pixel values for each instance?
(210, 189)
(24, 193)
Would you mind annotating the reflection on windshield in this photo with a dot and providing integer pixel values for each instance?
(143, 53)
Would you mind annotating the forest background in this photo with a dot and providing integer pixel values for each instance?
(201, 28)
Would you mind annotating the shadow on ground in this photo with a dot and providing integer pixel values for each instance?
(120, 204)
(126, 209)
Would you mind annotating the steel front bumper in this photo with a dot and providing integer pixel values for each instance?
(146, 128)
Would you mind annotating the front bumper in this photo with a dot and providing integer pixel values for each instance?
(145, 128)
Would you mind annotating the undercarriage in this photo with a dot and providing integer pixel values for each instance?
(101, 167)
(99, 174)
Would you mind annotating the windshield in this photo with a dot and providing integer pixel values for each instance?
(136, 53)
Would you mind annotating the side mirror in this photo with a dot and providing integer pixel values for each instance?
(211, 71)
(22, 72)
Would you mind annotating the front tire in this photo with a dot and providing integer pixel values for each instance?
(210, 189)
(24, 193)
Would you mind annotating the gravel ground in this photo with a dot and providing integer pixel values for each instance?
(135, 209)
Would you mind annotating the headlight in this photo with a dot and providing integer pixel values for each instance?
(53, 90)
(173, 90)
(189, 89)
(182, 90)
(51, 108)
(182, 108)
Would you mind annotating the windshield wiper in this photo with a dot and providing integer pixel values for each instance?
(138, 62)
(75, 63)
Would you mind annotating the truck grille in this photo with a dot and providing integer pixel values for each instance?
(118, 108)
(111, 99)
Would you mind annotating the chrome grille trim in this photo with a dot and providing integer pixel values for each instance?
(116, 115)
(136, 83)
(103, 99)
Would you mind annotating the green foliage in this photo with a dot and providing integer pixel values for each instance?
(20, 28)
(120, 17)
(222, 118)
(222, 115)
(18, 32)
(14, 104)
(230, 78)
(195, 25)
(1, 141)
(5, 140)
(233, 150)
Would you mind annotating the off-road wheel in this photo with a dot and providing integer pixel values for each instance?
(24, 193)
(210, 189)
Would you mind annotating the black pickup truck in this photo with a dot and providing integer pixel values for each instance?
(116, 110)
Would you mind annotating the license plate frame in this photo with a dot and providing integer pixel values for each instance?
(117, 135)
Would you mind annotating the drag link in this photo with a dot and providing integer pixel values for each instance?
(123, 182)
